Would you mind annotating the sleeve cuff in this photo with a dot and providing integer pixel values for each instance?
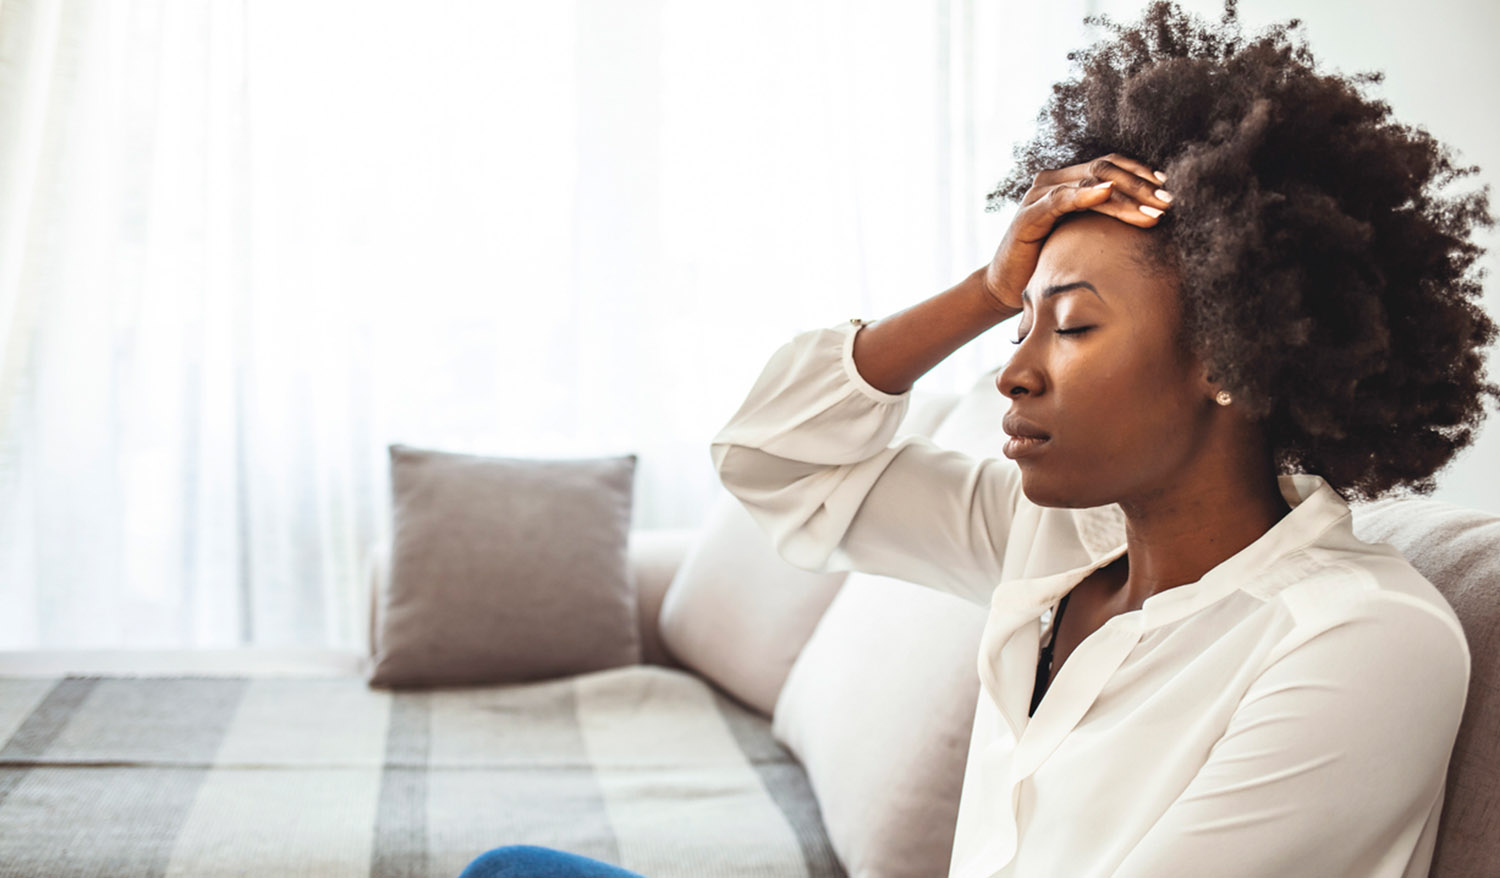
(850, 329)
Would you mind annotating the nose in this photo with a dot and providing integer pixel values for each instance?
(1020, 377)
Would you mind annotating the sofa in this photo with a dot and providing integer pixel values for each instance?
(776, 722)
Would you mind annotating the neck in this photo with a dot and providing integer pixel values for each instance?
(1177, 535)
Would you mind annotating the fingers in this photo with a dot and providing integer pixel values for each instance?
(1016, 258)
(1139, 169)
(1133, 209)
(1034, 223)
(1139, 198)
(1113, 185)
(1138, 195)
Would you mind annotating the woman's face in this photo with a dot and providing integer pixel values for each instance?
(1106, 405)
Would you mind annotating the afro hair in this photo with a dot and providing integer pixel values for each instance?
(1325, 281)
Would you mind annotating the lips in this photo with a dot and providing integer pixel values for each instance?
(1025, 439)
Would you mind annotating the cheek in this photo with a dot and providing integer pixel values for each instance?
(1129, 421)
(1148, 401)
(1157, 424)
(1110, 395)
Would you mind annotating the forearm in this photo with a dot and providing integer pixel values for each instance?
(811, 454)
(893, 352)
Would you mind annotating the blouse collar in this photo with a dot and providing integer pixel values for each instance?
(1010, 642)
(1315, 509)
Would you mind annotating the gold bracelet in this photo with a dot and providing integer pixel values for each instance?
(859, 321)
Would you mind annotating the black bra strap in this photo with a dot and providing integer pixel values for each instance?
(1044, 660)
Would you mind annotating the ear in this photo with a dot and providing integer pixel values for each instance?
(1207, 384)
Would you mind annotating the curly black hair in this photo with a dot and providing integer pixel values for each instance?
(1324, 280)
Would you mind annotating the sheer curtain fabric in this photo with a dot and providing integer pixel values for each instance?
(245, 246)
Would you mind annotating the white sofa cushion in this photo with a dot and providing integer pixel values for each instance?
(878, 710)
(880, 704)
(737, 613)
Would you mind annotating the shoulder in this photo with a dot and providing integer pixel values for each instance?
(1372, 596)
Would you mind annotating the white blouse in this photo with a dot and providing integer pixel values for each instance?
(1291, 713)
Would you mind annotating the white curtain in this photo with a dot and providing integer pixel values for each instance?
(246, 245)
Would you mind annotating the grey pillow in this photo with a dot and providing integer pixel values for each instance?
(505, 570)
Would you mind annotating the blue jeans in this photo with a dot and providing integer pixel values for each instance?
(531, 861)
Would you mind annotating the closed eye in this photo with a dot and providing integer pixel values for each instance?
(1074, 330)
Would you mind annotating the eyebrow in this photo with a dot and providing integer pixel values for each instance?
(1053, 290)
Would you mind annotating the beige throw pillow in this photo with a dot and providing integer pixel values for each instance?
(505, 570)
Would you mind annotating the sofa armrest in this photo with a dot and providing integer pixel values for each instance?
(655, 556)
(376, 568)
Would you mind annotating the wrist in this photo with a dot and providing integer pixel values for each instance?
(979, 283)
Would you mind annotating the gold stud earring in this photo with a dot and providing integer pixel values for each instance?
(1223, 398)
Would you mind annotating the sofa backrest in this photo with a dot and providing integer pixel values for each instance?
(1458, 550)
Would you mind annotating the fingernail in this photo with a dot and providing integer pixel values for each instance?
(1160, 176)
(1105, 185)
(1150, 211)
(1164, 195)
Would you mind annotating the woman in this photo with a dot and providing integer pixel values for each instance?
(1241, 301)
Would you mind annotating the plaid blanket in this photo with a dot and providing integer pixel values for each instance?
(645, 767)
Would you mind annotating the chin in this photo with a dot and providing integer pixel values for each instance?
(1059, 495)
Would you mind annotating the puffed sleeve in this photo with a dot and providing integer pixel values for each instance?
(811, 457)
(1334, 761)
